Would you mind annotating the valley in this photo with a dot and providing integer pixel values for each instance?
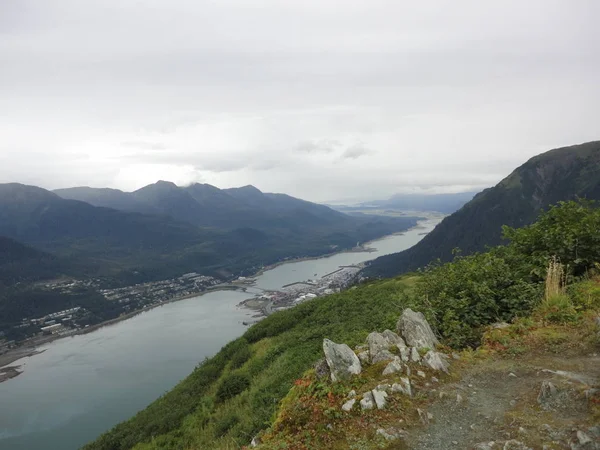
(126, 377)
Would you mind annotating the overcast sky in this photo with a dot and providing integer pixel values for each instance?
(321, 99)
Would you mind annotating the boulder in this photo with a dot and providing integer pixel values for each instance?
(415, 330)
(435, 361)
(349, 405)
(405, 354)
(393, 367)
(414, 355)
(363, 357)
(367, 402)
(380, 398)
(393, 339)
(403, 387)
(379, 346)
(384, 355)
(342, 361)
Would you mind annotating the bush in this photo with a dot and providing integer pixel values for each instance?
(232, 385)
(225, 423)
(241, 356)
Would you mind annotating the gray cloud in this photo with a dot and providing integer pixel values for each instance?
(317, 146)
(356, 151)
(291, 96)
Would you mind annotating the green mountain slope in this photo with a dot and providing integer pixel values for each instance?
(231, 397)
(20, 263)
(559, 174)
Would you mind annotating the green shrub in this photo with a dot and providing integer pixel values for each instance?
(232, 385)
(224, 423)
(241, 356)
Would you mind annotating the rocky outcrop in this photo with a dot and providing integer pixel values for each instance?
(403, 387)
(379, 346)
(395, 366)
(415, 330)
(349, 405)
(435, 361)
(393, 339)
(379, 396)
(367, 401)
(342, 361)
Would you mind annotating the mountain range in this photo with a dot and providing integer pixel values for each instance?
(163, 230)
(560, 174)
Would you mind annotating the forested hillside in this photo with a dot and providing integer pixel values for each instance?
(560, 174)
(129, 247)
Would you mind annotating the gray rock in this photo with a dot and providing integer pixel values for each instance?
(364, 357)
(255, 442)
(414, 355)
(349, 405)
(377, 343)
(342, 361)
(352, 394)
(322, 369)
(393, 339)
(384, 355)
(435, 361)
(393, 367)
(384, 387)
(547, 391)
(415, 330)
(421, 374)
(499, 325)
(367, 402)
(380, 398)
(391, 434)
(403, 387)
(405, 354)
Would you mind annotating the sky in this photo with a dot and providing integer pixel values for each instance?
(321, 99)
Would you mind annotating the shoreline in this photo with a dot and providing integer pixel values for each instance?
(30, 349)
(8, 372)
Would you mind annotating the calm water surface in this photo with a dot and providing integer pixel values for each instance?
(81, 386)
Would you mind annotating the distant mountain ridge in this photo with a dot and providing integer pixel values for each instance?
(205, 205)
(197, 228)
(559, 174)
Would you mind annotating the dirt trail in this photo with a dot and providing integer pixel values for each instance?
(498, 401)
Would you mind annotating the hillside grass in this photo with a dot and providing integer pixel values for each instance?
(229, 398)
(274, 353)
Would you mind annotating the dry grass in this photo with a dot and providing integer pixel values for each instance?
(555, 279)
